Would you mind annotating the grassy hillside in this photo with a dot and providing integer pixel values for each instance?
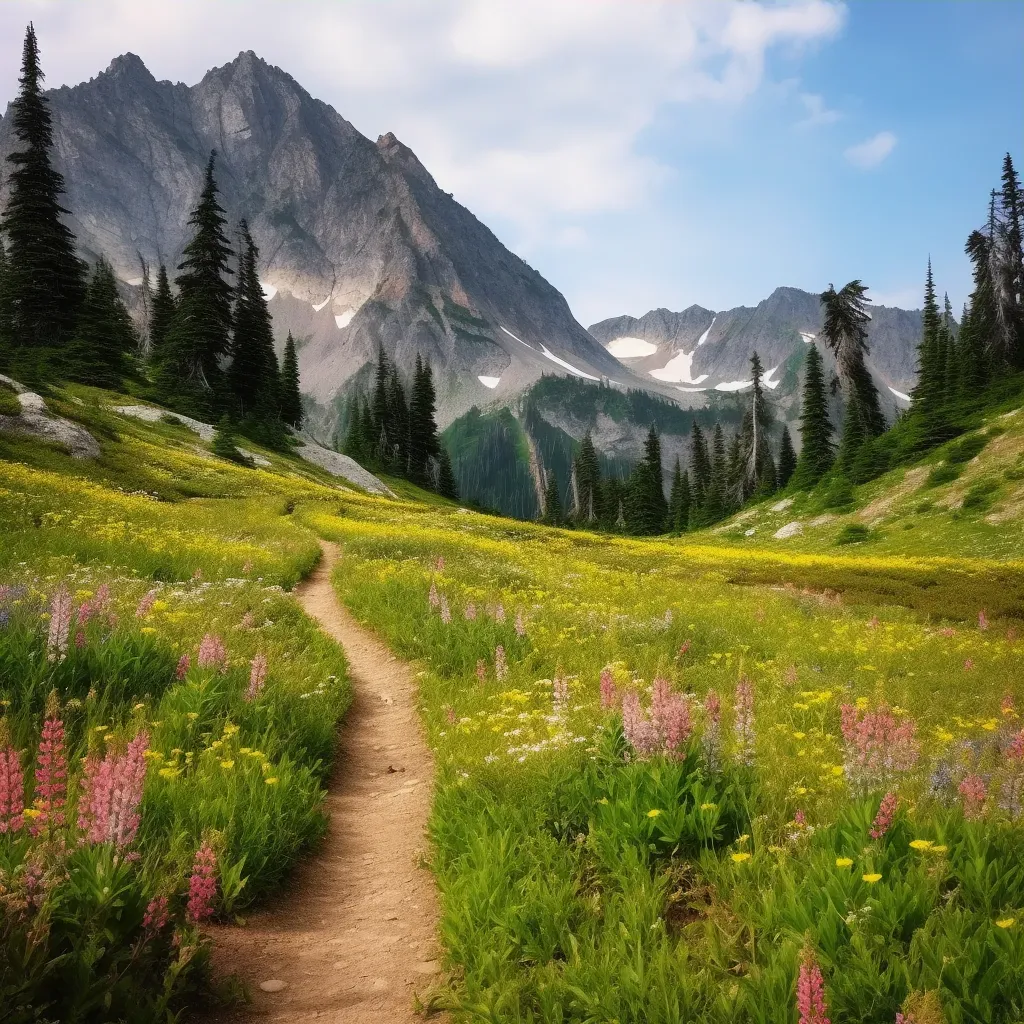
(670, 772)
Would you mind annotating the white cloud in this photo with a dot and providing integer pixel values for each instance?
(871, 152)
(530, 110)
(817, 111)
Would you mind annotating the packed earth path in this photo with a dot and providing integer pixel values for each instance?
(353, 936)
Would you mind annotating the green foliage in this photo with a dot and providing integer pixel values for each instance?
(853, 533)
(9, 404)
(553, 513)
(225, 440)
(106, 339)
(290, 399)
(943, 474)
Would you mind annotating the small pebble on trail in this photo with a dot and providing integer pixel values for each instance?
(273, 985)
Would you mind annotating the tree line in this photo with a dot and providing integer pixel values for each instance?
(209, 347)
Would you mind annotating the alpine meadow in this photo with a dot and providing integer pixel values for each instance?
(378, 643)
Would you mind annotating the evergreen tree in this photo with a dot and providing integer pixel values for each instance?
(700, 467)
(949, 361)
(843, 328)
(383, 445)
(758, 467)
(715, 501)
(680, 500)
(854, 434)
(199, 335)
(424, 444)
(45, 278)
(928, 391)
(225, 440)
(588, 480)
(446, 485)
(1008, 268)
(647, 508)
(553, 514)
(253, 377)
(291, 398)
(817, 452)
(100, 353)
(161, 317)
(787, 459)
(398, 423)
(5, 306)
(357, 444)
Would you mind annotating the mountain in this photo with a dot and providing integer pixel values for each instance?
(359, 247)
(700, 350)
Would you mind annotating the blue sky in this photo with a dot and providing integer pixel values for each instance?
(640, 153)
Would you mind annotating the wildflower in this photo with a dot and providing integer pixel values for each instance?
(446, 612)
(184, 663)
(711, 741)
(439, 564)
(247, 566)
(790, 678)
(874, 623)
(872, 878)
(560, 693)
(844, 862)
(653, 813)
(921, 844)
(886, 813)
(112, 793)
(878, 746)
(800, 819)
(271, 780)
(520, 624)
(973, 792)
(202, 886)
(740, 857)
(227, 765)
(968, 664)
(670, 713)
(982, 620)
(145, 606)
(257, 677)
(470, 612)
(432, 599)
(499, 613)
(609, 691)
(60, 625)
(248, 621)
(1006, 922)
(449, 714)
(668, 617)
(683, 649)
(500, 664)
(481, 672)
(640, 732)
(212, 653)
(51, 771)
(12, 784)
(155, 918)
(810, 990)
(708, 807)
(743, 721)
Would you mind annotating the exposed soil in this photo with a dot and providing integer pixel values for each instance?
(353, 937)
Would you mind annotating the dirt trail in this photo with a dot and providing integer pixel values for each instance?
(354, 935)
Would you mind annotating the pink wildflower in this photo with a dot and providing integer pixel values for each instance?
(84, 614)
(184, 664)
(743, 721)
(114, 789)
(982, 620)
(683, 649)
(810, 991)
(60, 625)
(905, 1018)
(470, 612)
(800, 819)
(500, 664)
(247, 567)
(446, 612)
(432, 599)
(79, 639)
(973, 792)
(155, 918)
(1008, 705)
(884, 817)
(711, 740)
(145, 606)
(101, 599)
(948, 632)
(520, 624)
(257, 677)
(51, 775)
(202, 886)
(499, 613)
(638, 729)
(609, 691)
(248, 621)
(560, 693)
(449, 714)
(212, 653)
(670, 713)
(12, 785)
(874, 622)
(790, 678)
(968, 664)
(1015, 748)
(481, 671)
(879, 746)
(439, 564)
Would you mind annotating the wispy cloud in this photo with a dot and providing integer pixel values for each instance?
(816, 111)
(871, 152)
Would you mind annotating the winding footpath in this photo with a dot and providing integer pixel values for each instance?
(353, 936)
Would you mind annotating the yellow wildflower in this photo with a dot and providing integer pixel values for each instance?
(1006, 922)
(844, 862)
(739, 858)
(872, 878)
(653, 813)
(920, 844)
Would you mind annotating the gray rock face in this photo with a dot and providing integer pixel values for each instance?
(721, 344)
(359, 247)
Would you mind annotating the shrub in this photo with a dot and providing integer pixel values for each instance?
(966, 448)
(853, 533)
(943, 474)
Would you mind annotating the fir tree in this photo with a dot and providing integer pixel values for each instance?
(199, 335)
(446, 485)
(253, 377)
(588, 480)
(291, 396)
(647, 508)
(356, 444)
(700, 466)
(161, 317)
(854, 434)
(817, 452)
(225, 440)
(5, 306)
(758, 467)
(100, 353)
(1008, 267)
(715, 501)
(45, 278)
(787, 459)
(553, 514)
(383, 445)
(680, 500)
(398, 423)
(423, 440)
(843, 328)
(927, 394)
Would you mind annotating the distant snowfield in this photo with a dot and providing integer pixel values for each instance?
(739, 385)
(704, 336)
(514, 338)
(568, 366)
(899, 394)
(269, 290)
(631, 348)
(767, 381)
(808, 338)
(320, 305)
(344, 319)
(677, 370)
(691, 390)
(489, 382)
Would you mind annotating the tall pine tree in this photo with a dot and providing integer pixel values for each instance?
(5, 307)
(424, 445)
(291, 396)
(199, 338)
(647, 508)
(446, 485)
(787, 459)
(1008, 267)
(758, 467)
(679, 501)
(160, 317)
(588, 480)
(101, 351)
(817, 452)
(45, 278)
(553, 514)
(700, 472)
(926, 397)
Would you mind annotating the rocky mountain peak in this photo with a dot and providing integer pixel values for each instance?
(127, 67)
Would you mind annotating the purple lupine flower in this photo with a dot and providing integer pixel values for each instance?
(520, 624)
(810, 991)
(470, 612)
(212, 653)
(711, 740)
(145, 606)
(446, 612)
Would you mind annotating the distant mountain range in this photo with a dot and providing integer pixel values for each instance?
(361, 250)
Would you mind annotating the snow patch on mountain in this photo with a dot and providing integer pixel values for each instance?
(575, 370)
(704, 336)
(489, 382)
(631, 348)
(320, 305)
(767, 381)
(899, 394)
(269, 290)
(344, 319)
(677, 370)
(514, 338)
(808, 338)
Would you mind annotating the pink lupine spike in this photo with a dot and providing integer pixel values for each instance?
(257, 677)
(60, 625)
(12, 785)
(884, 817)
(112, 794)
(743, 720)
(973, 792)
(184, 664)
(212, 653)
(51, 777)
(500, 663)
(145, 606)
(810, 991)
(609, 691)
(202, 886)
